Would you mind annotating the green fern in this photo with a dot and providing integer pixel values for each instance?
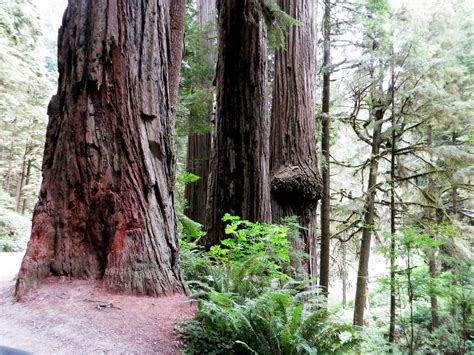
(273, 323)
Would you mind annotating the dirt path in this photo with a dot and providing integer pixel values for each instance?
(61, 317)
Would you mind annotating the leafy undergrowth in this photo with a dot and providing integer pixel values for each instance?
(14, 230)
(247, 304)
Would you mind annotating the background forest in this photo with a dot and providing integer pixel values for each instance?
(384, 263)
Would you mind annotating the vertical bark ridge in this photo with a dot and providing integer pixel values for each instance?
(199, 144)
(295, 179)
(239, 169)
(105, 208)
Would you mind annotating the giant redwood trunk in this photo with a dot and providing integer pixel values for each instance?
(239, 168)
(295, 179)
(199, 143)
(105, 208)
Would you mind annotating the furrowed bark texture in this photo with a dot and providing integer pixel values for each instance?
(105, 208)
(199, 144)
(295, 179)
(239, 169)
(199, 151)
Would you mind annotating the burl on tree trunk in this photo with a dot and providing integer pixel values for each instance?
(105, 208)
(295, 178)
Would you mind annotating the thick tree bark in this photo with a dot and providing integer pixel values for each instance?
(239, 168)
(363, 271)
(295, 179)
(199, 144)
(199, 152)
(177, 12)
(106, 202)
(325, 167)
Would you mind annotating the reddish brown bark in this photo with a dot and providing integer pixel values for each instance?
(239, 169)
(106, 202)
(295, 179)
(199, 151)
(199, 144)
(177, 18)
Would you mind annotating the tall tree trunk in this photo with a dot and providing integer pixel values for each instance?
(454, 191)
(21, 180)
(363, 271)
(295, 179)
(27, 181)
(432, 254)
(325, 167)
(106, 202)
(199, 144)
(239, 169)
(393, 300)
(433, 298)
(8, 177)
(177, 16)
(344, 275)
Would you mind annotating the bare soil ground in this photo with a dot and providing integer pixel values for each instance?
(79, 317)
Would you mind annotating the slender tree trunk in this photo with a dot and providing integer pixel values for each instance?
(21, 180)
(199, 144)
(325, 166)
(433, 298)
(363, 271)
(8, 177)
(27, 181)
(431, 256)
(295, 179)
(454, 191)
(344, 275)
(393, 300)
(106, 202)
(239, 169)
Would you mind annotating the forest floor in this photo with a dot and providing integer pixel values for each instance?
(79, 317)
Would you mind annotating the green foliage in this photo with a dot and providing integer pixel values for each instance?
(244, 264)
(266, 244)
(24, 88)
(197, 73)
(14, 228)
(188, 178)
(243, 307)
(278, 22)
(273, 323)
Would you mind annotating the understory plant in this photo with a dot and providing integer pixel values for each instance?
(272, 323)
(246, 303)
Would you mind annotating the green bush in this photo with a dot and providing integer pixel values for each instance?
(246, 303)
